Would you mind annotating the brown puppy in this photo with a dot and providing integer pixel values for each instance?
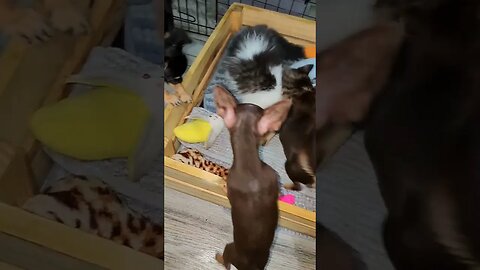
(334, 253)
(252, 186)
(353, 72)
(350, 75)
(423, 138)
(298, 138)
(39, 24)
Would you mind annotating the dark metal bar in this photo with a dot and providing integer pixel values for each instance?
(291, 7)
(179, 12)
(187, 11)
(305, 9)
(206, 17)
(191, 20)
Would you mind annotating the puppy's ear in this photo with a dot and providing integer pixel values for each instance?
(274, 116)
(226, 105)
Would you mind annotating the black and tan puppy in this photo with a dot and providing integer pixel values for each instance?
(252, 186)
(297, 133)
(423, 138)
(350, 74)
(176, 61)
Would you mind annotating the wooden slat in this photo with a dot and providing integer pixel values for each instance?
(14, 250)
(10, 59)
(73, 242)
(195, 74)
(6, 266)
(287, 25)
(200, 89)
(300, 42)
(207, 186)
(16, 183)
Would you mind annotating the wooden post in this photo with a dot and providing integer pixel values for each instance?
(16, 182)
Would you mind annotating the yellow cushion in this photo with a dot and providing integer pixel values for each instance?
(195, 131)
(103, 123)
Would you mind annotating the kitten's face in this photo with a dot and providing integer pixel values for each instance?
(249, 76)
(295, 82)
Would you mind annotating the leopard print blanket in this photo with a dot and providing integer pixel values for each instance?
(90, 205)
(194, 158)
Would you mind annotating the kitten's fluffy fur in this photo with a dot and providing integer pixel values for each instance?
(257, 61)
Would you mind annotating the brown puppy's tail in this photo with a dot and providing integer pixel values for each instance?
(333, 253)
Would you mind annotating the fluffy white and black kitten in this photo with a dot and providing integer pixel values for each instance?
(257, 60)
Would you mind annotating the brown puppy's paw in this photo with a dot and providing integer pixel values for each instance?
(172, 99)
(69, 20)
(293, 186)
(219, 258)
(30, 26)
(186, 98)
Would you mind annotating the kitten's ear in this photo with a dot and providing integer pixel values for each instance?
(226, 105)
(273, 117)
(305, 69)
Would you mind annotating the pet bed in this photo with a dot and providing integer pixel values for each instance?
(200, 183)
(145, 196)
(272, 154)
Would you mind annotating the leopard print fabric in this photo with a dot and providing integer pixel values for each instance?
(90, 205)
(195, 158)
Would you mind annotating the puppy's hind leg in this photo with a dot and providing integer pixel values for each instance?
(228, 254)
(299, 172)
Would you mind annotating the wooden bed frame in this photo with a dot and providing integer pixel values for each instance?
(197, 182)
(32, 77)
